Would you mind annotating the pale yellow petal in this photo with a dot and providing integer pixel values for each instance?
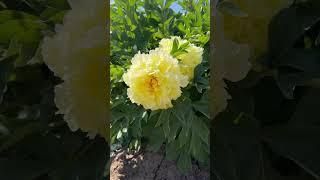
(154, 80)
(220, 97)
(77, 54)
(230, 62)
(253, 29)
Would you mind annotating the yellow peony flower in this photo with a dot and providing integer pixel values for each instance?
(231, 62)
(77, 54)
(240, 39)
(154, 80)
(188, 61)
(253, 29)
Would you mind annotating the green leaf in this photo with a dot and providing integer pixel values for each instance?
(231, 8)
(166, 128)
(200, 79)
(132, 2)
(304, 66)
(11, 28)
(184, 137)
(164, 117)
(298, 140)
(58, 4)
(304, 60)
(58, 17)
(116, 115)
(154, 135)
(175, 46)
(184, 46)
(203, 105)
(235, 144)
(2, 4)
(172, 150)
(158, 34)
(168, 3)
(6, 68)
(20, 133)
(179, 110)
(199, 139)
(37, 58)
(179, 52)
(6, 15)
(290, 24)
(153, 113)
(174, 126)
(201, 129)
(184, 162)
(145, 116)
(88, 162)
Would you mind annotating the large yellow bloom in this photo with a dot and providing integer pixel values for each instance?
(188, 61)
(238, 40)
(231, 62)
(77, 54)
(253, 29)
(154, 80)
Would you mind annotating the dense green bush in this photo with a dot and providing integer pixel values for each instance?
(138, 25)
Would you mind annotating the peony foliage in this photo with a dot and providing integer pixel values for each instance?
(160, 78)
(268, 126)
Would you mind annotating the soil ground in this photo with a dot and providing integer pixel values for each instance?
(146, 165)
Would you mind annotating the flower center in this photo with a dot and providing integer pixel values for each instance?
(153, 83)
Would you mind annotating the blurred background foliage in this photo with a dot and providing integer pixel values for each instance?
(270, 129)
(139, 25)
(36, 144)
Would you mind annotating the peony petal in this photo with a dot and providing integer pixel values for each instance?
(154, 80)
(77, 54)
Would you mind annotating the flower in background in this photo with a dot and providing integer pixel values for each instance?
(253, 29)
(187, 61)
(231, 62)
(154, 80)
(77, 54)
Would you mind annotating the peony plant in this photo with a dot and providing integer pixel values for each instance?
(160, 79)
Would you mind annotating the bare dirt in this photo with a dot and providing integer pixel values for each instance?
(146, 165)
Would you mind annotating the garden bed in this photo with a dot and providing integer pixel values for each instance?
(151, 165)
